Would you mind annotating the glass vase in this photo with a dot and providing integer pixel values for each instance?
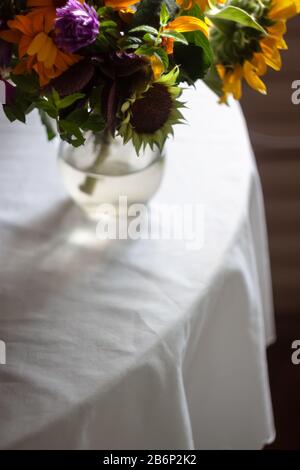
(104, 170)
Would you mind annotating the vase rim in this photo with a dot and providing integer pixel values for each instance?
(86, 172)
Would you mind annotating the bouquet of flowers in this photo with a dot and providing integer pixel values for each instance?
(120, 65)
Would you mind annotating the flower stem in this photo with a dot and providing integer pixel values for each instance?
(89, 184)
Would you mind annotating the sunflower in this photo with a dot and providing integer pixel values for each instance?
(37, 50)
(245, 53)
(148, 116)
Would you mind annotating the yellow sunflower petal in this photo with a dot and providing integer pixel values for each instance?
(259, 63)
(276, 33)
(233, 82)
(271, 54)
(183, 24)
(157, 66)
(252, 78)
(283, 9)
(221, 70)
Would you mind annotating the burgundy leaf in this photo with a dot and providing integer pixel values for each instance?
(74, 80)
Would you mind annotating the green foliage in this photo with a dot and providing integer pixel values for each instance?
(27, 83)
(164, 15)
(220, 18)
(149, 12)
(213, 80)
(62, 103)
(73, 125)
(46, 121)
(196, 57)
(178, 37)
(26, 93)
(163, 56)
(102, 77)
(192, 60)
(145, 29)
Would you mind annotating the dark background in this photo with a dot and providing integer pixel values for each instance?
(274, 127)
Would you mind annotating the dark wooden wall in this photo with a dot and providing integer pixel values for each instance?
(274, 126)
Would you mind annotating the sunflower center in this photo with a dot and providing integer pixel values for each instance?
(151, 112)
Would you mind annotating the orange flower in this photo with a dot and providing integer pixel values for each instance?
(37, 50)
(168, 45)
(123, 5)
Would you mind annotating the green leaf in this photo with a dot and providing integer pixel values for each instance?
(69, 100)
(51, 134)
(9, 113)
(213, 80)
(145, 49)
(108, 24)
(102, 11)
(192, 60)
(204, 58)
(178, 37)
(71, 133)
(235, 14)
(163, 56)
(27, 83)
(78, 117)
(48, 107)
(95, 98)
(130, 46)
(73, 140)
(195, 11)
(164, 15)
(95, 123)
(55, 97)
(20, 107)
(145, 29)
(200, 40)
(148, 12)
(14, 112)
(149, 38)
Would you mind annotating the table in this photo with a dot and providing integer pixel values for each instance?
(140, 344)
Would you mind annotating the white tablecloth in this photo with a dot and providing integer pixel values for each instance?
(136, 344)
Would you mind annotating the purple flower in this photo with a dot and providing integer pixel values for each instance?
(77, 25)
